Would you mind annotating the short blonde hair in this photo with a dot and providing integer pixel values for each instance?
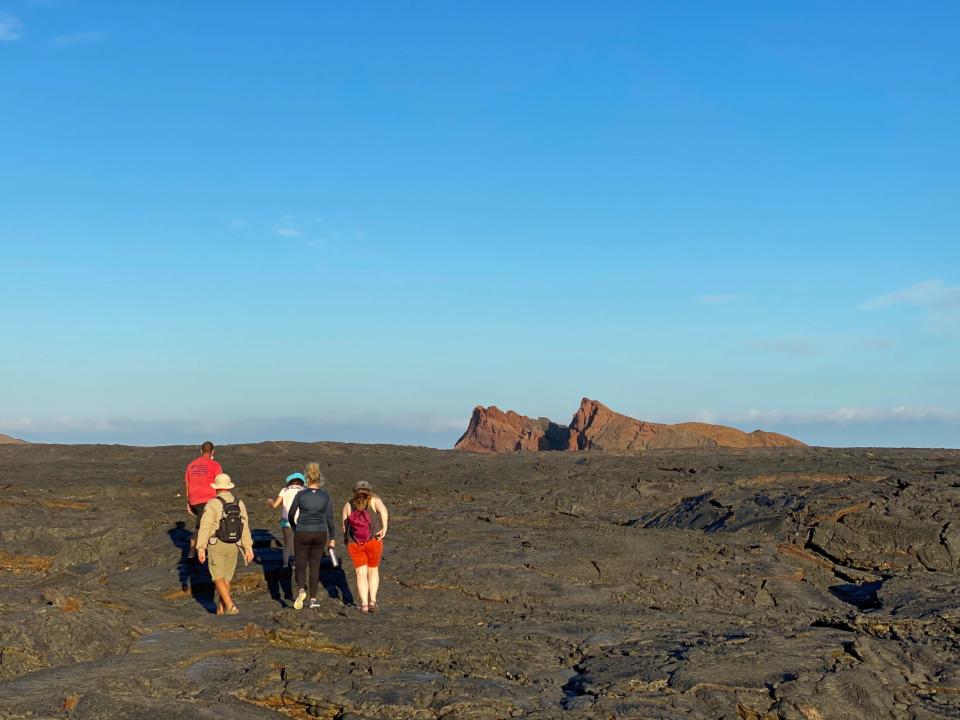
(314, 476)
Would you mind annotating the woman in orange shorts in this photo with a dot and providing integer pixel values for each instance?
(365, 521)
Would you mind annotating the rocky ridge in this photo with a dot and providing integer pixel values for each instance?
(7, 440)
(596, 427)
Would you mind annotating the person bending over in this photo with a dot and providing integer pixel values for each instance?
(284, 499)
(365, 521)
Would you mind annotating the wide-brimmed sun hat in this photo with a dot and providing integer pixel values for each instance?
(295, 476)
(222, 482)
(362, 485)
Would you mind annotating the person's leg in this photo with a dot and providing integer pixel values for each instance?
(317, 547)
(288, 553)
(373, 581)
(374, 550)
(301, 551)
(197, 512)
(223, 591)
(363, 588)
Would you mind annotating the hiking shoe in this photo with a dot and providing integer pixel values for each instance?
(374, 608)
(233, 610)
(314, 603)
(301, 596)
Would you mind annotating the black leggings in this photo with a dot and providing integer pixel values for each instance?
(308, 548)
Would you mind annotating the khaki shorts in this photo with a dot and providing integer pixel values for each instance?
(222, 560)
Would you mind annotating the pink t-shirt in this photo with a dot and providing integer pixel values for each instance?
(200, 474)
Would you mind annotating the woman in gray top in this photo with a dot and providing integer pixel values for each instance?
(311, 516)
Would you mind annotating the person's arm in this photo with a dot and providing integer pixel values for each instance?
(276, 502)
(186, 490)
(294, 511)
(246, 539)
(380, 508)
(343, 520)
(328, 516)
(208, 526)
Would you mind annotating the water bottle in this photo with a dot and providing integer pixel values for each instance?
(333, 557)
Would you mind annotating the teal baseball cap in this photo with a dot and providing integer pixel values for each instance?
(295, 476)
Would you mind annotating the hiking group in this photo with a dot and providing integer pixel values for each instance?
(222, 530)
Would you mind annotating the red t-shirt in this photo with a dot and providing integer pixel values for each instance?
(200, 473)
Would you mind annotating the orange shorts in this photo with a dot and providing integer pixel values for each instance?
(368, 553)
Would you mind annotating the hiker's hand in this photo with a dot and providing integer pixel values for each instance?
(381, 533)
(202, 556)
(332, 543)
(190, 510)
(248, 555)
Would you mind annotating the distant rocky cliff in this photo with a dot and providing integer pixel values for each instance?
(492, 430)
(596, 427)
(7, 440)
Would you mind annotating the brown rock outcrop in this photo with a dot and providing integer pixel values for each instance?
(7, 440)
(597, 427)
(731, 437)
(492, 430)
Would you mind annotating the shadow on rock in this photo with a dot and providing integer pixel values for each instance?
(334, 581)
(269, 554)
(863, 596)
(192, 574)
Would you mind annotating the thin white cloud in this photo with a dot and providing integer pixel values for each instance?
(807, 345)
(927, 294)
(418, 429)
(791, 346)
(10, 28)
(287, 227)
(78, 38)
(845, 415)
(719, 298)
(939, 303)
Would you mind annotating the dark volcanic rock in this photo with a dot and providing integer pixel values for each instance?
(596, 427)
(788, 584)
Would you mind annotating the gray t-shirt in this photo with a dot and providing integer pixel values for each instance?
(312, 511)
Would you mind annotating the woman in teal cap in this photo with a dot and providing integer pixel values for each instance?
(292, 485)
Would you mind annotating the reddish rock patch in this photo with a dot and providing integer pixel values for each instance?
(596, 427)
(492, 430)
(19, 564)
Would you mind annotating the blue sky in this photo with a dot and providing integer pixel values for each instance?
(316, 220)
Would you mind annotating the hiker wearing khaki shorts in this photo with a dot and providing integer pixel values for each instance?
(224, 534)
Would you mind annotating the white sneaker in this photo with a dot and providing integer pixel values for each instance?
(301, 596)
(314, 603)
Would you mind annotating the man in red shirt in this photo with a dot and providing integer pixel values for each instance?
(197, 483)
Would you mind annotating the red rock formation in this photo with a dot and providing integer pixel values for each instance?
(492, 430)
(597, 427)
(7, 440)
(731, 437)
